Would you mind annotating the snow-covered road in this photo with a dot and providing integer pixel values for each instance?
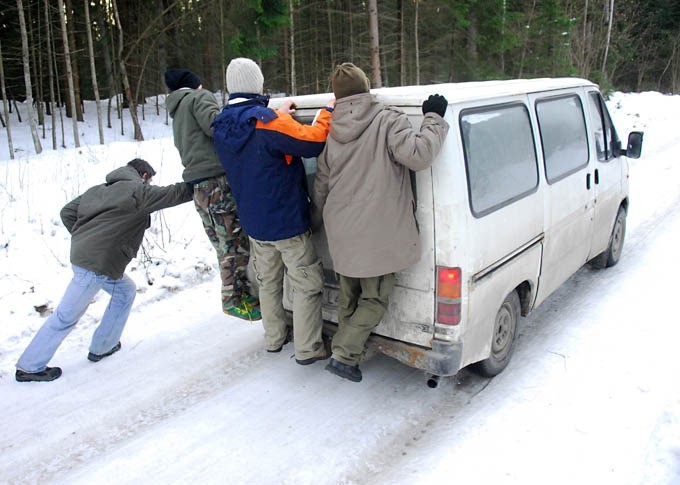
(591, 394)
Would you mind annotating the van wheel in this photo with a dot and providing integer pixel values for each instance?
(612, 254)
(502, 342)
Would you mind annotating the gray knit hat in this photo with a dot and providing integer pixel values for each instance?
(348, 79)
(244, 76)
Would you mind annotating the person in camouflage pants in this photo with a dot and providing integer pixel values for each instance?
(216, 205)
(193, 110)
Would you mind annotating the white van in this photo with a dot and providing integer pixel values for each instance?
(531, 183)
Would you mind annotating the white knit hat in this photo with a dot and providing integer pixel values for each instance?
(244, 76)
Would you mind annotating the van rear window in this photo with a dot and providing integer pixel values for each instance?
(563, 136)
(500, 158)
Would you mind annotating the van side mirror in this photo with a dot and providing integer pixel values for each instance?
(634, 148)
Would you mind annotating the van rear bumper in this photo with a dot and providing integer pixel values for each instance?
(443, 359)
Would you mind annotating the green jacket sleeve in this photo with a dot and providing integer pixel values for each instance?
(205, 110)
(156, 198)
(69, 213)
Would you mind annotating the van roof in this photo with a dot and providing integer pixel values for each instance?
(454, 92)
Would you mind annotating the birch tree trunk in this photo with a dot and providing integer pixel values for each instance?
(584, 40)
(293, 87)
(27, 78)
(351, 30)
(374, 43)
(50, 72)
(93, 70)
(70, 28)
(223, 74)
(417, 43)
(126, 82)
(329, 6)
(401, 34)
(106, 40)
(525, 40)
(69, 73)
(5, 108)
(609, 36)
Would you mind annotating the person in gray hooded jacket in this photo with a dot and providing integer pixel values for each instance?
(107, 225)
(363, 187)
(193, 110)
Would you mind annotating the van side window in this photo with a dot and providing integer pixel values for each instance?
(500, 158)
(607, 142)
(563, 136)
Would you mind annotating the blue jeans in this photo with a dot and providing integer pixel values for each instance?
(79, 294)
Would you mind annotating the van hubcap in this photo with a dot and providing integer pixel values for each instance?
(505, 329)
(617, 239)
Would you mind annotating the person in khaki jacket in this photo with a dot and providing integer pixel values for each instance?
(363, 189)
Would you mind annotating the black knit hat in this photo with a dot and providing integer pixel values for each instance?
(348, 79)
(181, 78)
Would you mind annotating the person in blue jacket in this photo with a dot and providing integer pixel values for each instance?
(260, 150)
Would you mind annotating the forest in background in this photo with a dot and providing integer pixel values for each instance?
(56, 53)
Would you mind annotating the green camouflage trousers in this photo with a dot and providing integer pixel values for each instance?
(216, 205)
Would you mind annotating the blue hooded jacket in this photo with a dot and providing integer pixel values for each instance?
(260, 150)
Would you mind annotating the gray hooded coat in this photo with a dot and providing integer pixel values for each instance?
(363, 187)
(108, 221)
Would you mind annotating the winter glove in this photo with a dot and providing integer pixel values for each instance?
(435, 104)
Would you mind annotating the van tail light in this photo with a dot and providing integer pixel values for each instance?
(448, 295)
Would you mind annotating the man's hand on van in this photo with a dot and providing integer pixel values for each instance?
(288, 107)
(436, 103)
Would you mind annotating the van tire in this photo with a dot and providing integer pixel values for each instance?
(612, 254)
(503, 339)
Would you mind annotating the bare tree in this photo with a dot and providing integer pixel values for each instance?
(609, 36)
(69, 73)
(50, 72)
(401, 34)
(73, 48)
(5, 105)
(374, 41)
(126, 82)
(417, 43)
(293, 87)
(27, 78)
(95, 87)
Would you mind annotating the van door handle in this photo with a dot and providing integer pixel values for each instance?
(588, 181)
(597, 177)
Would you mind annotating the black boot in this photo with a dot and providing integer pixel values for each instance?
(96, 358)
(345, 371)
(49, 374)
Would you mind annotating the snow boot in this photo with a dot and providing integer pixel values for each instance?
(244, 312)
(96, 358)
(49, 374)
(345, 371)
(323, 356)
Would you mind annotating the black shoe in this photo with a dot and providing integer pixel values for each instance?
(345, 371)
(96, 358)
(49, 374)
(311, 360)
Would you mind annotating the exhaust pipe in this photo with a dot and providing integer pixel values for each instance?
(432, 381)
